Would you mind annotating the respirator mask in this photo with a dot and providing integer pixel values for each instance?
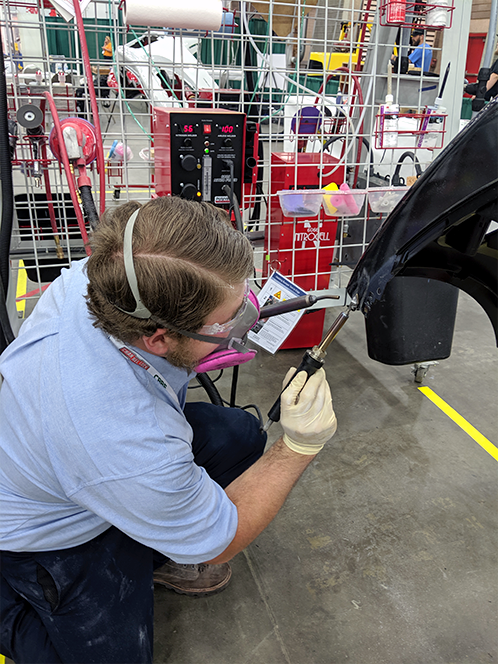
(230, 344)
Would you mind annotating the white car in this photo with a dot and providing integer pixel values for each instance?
(164, 68)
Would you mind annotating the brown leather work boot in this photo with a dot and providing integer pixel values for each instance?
(194, 580)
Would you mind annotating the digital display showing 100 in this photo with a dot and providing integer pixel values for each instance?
(227, 129)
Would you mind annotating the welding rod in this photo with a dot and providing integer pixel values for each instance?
(312, 361)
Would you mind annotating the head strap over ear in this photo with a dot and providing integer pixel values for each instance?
(141, 310)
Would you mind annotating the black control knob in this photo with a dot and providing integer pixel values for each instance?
(189, 191)
(189, 162)
(187, 142)
(227, 142)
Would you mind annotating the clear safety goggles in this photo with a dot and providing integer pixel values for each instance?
(230, 334)
(221, 328)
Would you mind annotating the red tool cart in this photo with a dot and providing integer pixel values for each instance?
(302, 248)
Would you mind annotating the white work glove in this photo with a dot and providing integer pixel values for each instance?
(307, 415)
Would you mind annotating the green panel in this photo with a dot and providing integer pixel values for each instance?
(60, 37)
(60, 40)
(226, 51)
(314, 82)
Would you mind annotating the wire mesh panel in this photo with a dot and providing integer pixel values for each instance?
(312, 79)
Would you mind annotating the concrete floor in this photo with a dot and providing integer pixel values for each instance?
(385, 552)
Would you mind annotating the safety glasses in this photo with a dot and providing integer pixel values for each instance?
(219, 328)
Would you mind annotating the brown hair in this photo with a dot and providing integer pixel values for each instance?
(186, 254)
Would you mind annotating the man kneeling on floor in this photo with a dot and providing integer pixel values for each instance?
(109, 480)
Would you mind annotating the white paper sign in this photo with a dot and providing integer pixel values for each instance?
(270, 334)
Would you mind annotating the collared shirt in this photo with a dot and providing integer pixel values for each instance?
(89, 439)
(421, 56)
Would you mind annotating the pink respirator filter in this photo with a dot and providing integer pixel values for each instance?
(224, 358)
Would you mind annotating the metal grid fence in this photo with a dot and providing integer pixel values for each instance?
(310, 75)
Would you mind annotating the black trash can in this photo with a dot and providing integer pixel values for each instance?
(412, 322)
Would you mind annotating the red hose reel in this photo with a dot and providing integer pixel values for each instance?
(86, 135)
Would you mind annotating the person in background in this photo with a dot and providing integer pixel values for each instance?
(491, 84)
(107, 48)
(110, 480)
(421, 55)
(7, 64)
(101, 74)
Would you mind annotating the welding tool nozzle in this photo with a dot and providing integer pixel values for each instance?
(334, 330)
(312, 361)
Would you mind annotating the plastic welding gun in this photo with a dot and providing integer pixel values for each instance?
(312, 361)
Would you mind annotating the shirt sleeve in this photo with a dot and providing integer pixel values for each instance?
(175, 509)
(416, 57)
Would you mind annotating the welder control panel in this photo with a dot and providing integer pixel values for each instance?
(199, 152)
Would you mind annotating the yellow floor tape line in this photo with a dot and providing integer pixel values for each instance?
(461, 421)
(22, 283)
(2, 659)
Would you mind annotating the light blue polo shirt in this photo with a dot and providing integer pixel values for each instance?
(421, 56)
(88, 439)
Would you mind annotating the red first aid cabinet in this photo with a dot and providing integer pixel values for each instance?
(302, 248)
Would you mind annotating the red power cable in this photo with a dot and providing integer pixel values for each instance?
(46, 177)
(366, 11)
(93, 104)
(67, 169)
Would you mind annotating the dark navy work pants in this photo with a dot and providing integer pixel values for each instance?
(94, 602)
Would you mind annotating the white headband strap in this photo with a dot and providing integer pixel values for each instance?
(141, 310)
